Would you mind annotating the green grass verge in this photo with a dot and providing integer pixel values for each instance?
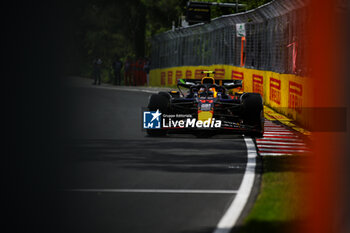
(279, 205)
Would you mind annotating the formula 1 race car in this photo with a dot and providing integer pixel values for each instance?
(208, 108)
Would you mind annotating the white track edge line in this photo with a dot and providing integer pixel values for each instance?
(232, 214)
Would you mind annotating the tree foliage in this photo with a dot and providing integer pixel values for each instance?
(119, 28)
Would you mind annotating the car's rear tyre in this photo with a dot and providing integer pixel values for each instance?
(165, 94)
(253, 113)
(158, 102)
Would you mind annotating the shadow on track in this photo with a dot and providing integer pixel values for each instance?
(166, 154)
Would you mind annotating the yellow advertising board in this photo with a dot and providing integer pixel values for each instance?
(287, 94)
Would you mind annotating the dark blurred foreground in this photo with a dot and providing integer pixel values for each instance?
(34, 54)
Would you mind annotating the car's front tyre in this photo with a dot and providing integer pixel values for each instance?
(253, 113)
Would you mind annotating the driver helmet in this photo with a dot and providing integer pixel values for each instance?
(201, 91)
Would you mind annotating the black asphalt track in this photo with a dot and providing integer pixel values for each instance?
(112, 174)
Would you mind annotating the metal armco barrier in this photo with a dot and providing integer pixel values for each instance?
(275, 40)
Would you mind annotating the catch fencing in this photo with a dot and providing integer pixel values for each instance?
(275, 40)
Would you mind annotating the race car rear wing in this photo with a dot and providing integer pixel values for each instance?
(228, 84)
